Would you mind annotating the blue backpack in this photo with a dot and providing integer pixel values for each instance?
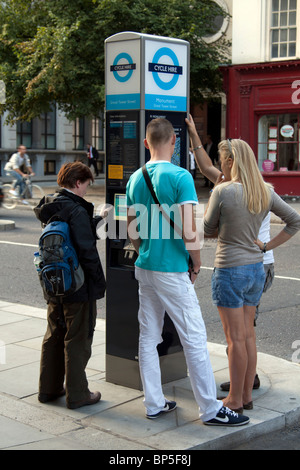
(59, 270)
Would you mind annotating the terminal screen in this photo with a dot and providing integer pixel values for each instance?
(120, 207)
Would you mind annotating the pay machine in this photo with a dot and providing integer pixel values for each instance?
(146, 77)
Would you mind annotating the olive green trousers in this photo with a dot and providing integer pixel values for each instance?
(66, 350)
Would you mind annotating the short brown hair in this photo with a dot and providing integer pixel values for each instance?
(159, 131)
(72, 172)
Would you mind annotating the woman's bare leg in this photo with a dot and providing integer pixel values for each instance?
(235, 332)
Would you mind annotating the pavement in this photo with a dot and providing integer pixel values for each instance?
(118, 422)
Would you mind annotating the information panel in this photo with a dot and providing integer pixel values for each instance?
(179, 156)
(122, 146)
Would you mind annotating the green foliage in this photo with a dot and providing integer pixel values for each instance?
(53, 50)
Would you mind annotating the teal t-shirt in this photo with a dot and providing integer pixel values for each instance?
(162, 248)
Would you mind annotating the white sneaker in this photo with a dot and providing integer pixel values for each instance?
(13, 192)
(25, 202)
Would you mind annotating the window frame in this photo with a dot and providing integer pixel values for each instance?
(20, 133)
(45, 134)
(47, 164)
(97, 124)
(78, 124)
(287, 28)
(278, 141)
(221, 32)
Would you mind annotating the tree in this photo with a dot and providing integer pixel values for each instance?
(53, 50)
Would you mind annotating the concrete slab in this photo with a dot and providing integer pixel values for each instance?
(22, 329)
(17, 356)
(20, 381)
(14, 434)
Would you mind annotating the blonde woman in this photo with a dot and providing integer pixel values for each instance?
(239, 203)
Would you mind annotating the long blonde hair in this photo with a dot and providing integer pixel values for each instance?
(257, 193)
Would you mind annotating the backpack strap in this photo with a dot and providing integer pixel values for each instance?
(64, 214)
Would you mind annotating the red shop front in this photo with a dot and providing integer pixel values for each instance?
(263, 108)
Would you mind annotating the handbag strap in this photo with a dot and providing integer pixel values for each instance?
(150, 186)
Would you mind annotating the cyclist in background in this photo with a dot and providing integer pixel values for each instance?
(15, 166)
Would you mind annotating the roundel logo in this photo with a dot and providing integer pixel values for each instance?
(119, 67)
(158, 67)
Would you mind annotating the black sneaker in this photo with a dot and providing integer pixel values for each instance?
(169, 406)
(227, 417)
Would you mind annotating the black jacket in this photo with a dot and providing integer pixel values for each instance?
(95, 153)
(83, 233)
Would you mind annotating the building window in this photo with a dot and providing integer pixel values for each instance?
(283, 28)
(24, 134)
(48, 129)
(97, 133)
(278, 142)
(49, 167)
(220, 23)
(78, 134)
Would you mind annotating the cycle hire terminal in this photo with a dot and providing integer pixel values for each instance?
(146, 77)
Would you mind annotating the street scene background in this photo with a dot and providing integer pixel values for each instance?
(277, 326)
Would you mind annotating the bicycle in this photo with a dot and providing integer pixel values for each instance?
(32, 194)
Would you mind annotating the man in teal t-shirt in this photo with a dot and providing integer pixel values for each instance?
(165, 279)
(161, 248)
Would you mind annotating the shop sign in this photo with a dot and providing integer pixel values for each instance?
(287, 131)
(268, 165)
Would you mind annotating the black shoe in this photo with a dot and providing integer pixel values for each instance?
(227, 417)
(45, 397)
(169, 406)
(225, 386)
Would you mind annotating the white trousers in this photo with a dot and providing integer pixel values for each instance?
(175, 294)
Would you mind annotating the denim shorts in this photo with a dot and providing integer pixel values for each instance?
(237, 286)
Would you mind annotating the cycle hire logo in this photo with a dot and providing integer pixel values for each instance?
(174, 69)
(119, 68)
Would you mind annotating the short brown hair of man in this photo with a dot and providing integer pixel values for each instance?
(72, 172)
(159, 131)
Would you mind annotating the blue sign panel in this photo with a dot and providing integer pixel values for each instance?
(128, 101)
(164, 91)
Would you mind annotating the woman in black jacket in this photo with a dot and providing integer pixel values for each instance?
(66, 347)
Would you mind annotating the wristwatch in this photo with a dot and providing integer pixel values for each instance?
(264, 249)
(196, 272)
